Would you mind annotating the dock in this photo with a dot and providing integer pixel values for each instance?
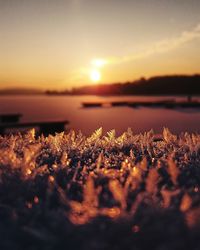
(10, 118)
(10, 122)
(104, 104)
(92, 104)
(169, 104)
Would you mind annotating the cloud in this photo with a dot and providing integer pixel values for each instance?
(160, 47)
(81, 75)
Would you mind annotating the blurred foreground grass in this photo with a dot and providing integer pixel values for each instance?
(71, 192)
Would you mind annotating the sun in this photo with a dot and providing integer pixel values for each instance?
(95, 71)
(95, 75)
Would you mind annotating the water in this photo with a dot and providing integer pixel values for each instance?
(54, 108)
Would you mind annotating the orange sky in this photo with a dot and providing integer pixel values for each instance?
(63, 44)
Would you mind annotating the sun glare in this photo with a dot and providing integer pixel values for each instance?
(98, 63)
(95, 75)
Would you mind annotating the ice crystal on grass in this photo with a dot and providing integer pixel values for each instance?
(55, 190)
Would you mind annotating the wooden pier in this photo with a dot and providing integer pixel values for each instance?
(46, 128)
(10, 118)
(169, 104)
(104, 104)
(92, 104)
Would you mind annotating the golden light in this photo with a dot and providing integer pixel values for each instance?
(98, 63)
(95, 75)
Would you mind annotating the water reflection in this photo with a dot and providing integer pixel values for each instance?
(140, 119)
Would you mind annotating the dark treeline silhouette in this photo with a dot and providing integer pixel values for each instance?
(158, 85)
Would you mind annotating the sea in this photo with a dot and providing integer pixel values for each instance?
(39, 108)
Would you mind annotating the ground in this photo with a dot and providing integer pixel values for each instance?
(68, 191)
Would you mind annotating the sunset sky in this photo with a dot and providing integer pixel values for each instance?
(59, 44)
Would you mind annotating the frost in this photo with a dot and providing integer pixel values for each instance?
(80, 178)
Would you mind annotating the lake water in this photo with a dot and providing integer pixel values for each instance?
(50, 108)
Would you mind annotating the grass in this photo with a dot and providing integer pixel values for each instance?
(71, 192)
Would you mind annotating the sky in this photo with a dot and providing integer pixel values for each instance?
(61, 44)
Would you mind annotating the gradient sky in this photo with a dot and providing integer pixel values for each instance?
(54, 43)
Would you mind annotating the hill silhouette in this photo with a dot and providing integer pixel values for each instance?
(158, 85)
(20, 91)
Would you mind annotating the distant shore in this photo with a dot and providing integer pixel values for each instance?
(179, 85)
